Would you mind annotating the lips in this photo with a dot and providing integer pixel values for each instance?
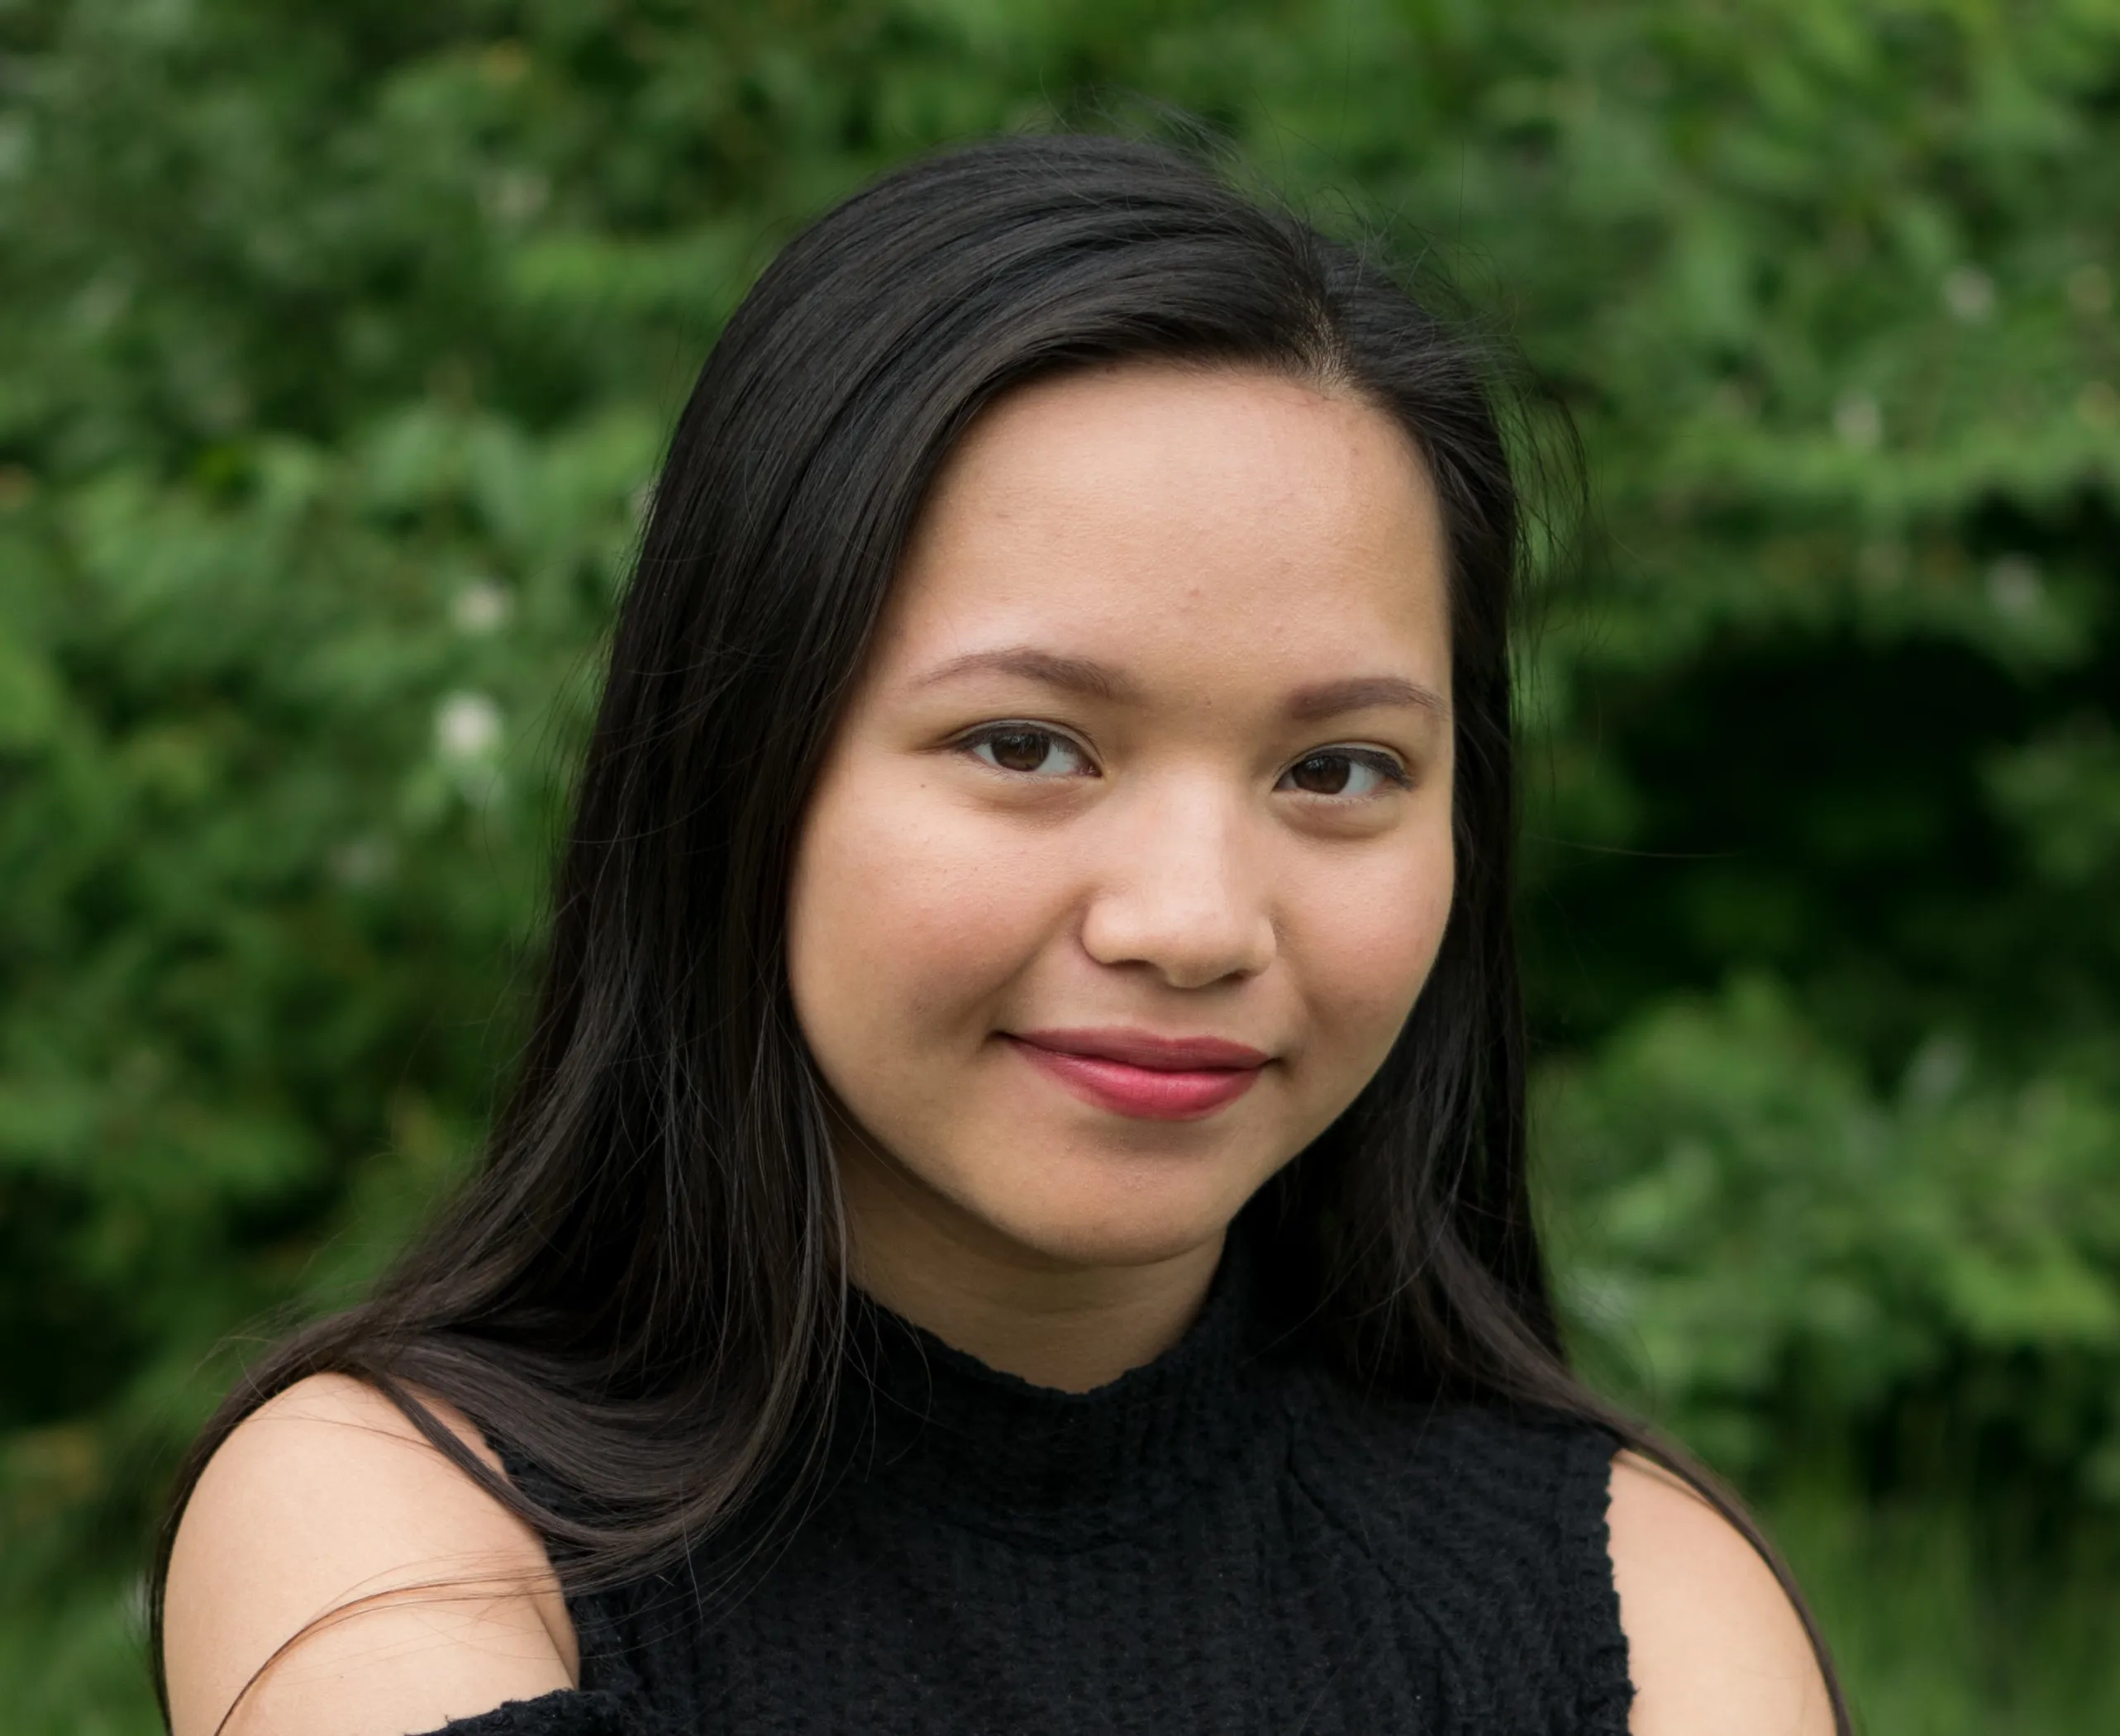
(1139, 1074)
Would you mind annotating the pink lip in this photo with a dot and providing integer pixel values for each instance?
(1136, 1073)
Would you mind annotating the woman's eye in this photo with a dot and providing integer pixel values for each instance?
(1344, 772)
(1036, 753)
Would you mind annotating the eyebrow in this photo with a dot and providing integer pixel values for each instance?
(1100, 680)
(1070, 674)
(1361, 693)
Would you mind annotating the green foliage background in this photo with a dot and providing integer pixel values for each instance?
(337, 342)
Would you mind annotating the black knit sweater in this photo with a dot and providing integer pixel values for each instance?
(1223, 1541)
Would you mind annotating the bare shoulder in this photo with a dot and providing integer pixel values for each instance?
(411, 1596)
(1714, 1646)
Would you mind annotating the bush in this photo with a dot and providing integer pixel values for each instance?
(339, 343)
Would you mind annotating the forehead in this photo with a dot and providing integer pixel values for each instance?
(1222, 525)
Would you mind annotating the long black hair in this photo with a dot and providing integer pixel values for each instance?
(642, 1291)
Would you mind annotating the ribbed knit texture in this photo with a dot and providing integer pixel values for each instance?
(1223, 1541)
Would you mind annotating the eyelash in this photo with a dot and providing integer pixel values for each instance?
(1386, 766)
(998, 732)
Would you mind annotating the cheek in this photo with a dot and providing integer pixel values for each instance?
(904, 921)
(1366, 948)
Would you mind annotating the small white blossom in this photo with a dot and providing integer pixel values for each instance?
(2014, 586)
(467, 727)
(481, 607)
(1969, 293)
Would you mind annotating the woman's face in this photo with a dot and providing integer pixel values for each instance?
(1132, 847)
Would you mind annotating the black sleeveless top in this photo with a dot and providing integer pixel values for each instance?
(1224, 1541)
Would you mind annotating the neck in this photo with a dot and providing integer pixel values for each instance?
(1044, 1318)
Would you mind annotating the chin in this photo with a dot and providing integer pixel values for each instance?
(1097, 1224)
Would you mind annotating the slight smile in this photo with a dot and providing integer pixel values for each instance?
(1136, 1073)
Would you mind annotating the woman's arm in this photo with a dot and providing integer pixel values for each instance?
(1714, 1647)
(324, 1498)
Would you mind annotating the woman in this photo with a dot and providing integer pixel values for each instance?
(1014, 1216)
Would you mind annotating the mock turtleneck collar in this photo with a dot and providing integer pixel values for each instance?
(992, 1451)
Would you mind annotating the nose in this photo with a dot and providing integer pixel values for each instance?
(1185, 893)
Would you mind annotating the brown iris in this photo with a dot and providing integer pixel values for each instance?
(1020, 750)
(1322, 774)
